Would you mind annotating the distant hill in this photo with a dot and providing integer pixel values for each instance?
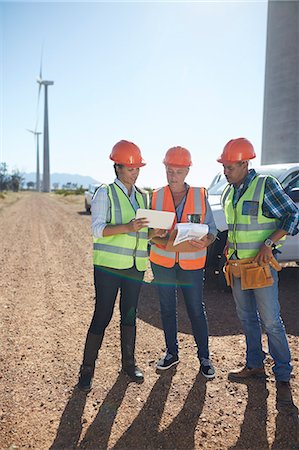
(63, 178)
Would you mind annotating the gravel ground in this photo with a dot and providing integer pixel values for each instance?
(46, 299)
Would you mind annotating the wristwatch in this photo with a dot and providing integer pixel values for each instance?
(269, 243)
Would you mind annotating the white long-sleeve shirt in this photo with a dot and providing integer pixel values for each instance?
(101, 207)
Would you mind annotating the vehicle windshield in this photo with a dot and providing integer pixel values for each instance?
(217, 188)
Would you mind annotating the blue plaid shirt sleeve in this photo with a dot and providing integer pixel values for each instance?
(277, 204)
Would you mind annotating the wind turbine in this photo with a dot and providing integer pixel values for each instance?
(36, 134)
(46, 166)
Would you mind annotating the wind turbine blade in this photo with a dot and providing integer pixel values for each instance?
(37, 106)
(41, 63)
(39, 80)
(31, 131)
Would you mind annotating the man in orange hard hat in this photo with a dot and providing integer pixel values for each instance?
(172, 269)
(120, 259)
(259, 214)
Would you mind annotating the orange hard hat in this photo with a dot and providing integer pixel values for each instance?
(127, 154)
(177, 157)
(235, 150)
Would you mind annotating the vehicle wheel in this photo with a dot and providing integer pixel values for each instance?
(87, 208)
(216, 260)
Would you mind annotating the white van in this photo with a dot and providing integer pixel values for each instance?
(288, 176)
(88, 196)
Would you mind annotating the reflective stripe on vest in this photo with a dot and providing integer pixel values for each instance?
(195, 203)
(247, 229)
(120, 251)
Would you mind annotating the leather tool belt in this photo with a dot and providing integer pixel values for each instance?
(252, 274)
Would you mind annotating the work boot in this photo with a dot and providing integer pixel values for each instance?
(128, 339)
(283, 393)
(92, 345)
(85, 378)
(247, 372)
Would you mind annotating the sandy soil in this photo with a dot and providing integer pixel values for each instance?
(47, 297)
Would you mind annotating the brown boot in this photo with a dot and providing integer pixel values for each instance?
(246, 372)
(283, 393)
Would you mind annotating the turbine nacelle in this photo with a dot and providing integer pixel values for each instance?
(44, 82)
(34, 132)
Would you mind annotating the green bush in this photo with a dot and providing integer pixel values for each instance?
(66, 192)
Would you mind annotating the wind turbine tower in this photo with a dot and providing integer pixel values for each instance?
(280, 143)
(46, 166)
(36, 134)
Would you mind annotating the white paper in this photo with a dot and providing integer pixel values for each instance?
(157, 219)
(188, 231)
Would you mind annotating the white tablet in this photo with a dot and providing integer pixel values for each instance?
(157, 219)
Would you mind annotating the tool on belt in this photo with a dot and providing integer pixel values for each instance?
(252, 274)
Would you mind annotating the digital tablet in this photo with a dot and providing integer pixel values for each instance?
(157, 219)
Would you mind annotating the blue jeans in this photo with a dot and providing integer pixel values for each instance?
(256, 307)
(191, 283)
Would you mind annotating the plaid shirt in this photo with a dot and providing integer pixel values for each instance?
(277, 204)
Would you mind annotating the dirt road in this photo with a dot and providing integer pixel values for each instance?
(46, 299)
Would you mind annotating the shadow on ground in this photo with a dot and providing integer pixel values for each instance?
(254, 426)
(220, 306)
(98, 433)
(179, 434)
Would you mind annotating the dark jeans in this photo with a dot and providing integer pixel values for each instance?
(191, 283)
(107, 282)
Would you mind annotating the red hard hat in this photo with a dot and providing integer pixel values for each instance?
(177, 157)
(127, 154)
(235, 150)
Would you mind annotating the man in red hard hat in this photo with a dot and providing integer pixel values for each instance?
(259, 214)
(120, 259)
(173, 268)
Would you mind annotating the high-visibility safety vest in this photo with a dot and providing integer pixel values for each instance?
(195, 203)
(121, 251)
(247, 226)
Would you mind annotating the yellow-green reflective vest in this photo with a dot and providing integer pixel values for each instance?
(247, 226)
(121, 251)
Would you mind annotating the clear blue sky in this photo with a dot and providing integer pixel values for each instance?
(159, 74)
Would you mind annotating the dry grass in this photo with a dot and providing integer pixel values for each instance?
(74, 199)
(7, 198)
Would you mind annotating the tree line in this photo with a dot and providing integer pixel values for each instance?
(10, 181)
